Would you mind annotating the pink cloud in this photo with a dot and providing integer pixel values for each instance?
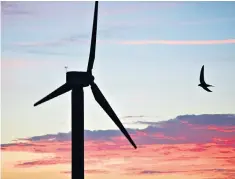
(23, 63)
(222, 129)
(179, 42)
(129, 42)
(162, 136)
(18, 63)
(113, 154)
(46, 161)
(163, 159)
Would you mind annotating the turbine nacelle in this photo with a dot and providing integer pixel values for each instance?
(79, 78)
(75, 81)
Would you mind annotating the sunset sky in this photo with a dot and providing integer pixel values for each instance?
(148, 61)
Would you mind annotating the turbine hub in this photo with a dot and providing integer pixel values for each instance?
(79, 78)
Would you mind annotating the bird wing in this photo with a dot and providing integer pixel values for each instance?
(205, 88)
(202, 81)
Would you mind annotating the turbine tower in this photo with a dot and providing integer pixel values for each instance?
(76, 81)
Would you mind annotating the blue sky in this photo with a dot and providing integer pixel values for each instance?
(40, 38)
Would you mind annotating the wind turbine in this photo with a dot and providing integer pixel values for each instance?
(76, 81)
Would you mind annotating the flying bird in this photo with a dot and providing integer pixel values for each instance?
(202, 81)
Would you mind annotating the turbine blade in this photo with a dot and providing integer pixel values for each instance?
(59, 91)
(99, 97)
(93, 40)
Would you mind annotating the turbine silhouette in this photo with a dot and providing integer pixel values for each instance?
(76, 81)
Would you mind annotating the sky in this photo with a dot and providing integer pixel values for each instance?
(148, 61)
(189, 146)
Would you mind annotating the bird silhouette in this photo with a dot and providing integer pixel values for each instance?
(202, 81)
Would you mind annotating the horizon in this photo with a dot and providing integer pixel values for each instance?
(147, 65)
(201, 138)
(145, 124)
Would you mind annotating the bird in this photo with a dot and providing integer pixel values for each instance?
(202, 81)
(75, 82)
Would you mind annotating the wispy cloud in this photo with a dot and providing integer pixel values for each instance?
(18, 63)
(212, 170)
(138, 7)
(84, 39)
(89, 172)
(208, 21)
(13, 8)
(24, 63)
(138, 116)
(63, 41)
(178, 42)
(45, 161)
